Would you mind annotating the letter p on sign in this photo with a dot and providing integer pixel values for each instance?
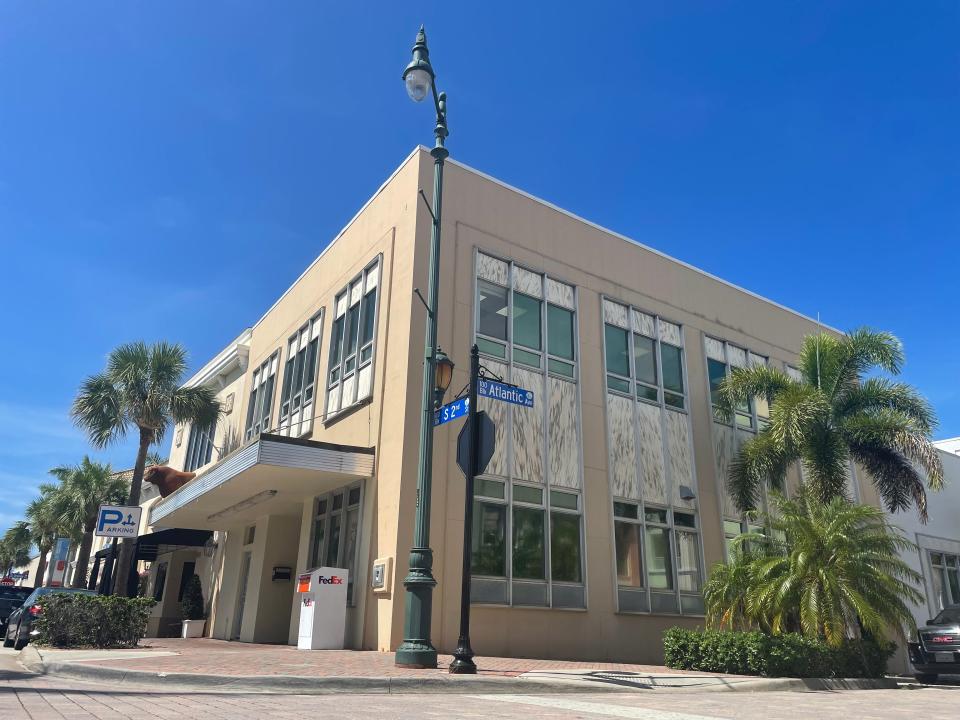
(109, 517)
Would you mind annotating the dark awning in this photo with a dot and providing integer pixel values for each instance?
(162, 541)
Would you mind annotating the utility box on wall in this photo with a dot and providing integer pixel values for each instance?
(381, 578)
(323, 609)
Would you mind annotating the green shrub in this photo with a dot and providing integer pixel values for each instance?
(102, 621)
(191, 606)
(757, 653)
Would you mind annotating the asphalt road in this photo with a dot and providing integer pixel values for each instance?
(23, 695)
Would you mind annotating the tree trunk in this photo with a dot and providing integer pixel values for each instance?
(83, 558)
(41, 566)
(124, 564)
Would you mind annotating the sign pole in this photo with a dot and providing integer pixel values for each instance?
(462, 663)
(106, 582)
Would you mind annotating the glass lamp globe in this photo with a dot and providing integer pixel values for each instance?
(418, 83)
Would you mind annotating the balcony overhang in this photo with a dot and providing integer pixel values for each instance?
(271, 475)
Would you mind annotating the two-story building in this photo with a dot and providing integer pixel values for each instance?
(604, 504)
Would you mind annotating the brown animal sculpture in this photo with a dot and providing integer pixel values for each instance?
(167, 479)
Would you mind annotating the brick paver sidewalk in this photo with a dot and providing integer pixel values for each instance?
(218, 657)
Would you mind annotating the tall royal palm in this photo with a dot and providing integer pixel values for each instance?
(140, 391)
(833, 414)
(45, 524)
(83, 489)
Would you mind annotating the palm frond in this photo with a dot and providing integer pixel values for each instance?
(98, 409)
(744, 384)
(876, 394)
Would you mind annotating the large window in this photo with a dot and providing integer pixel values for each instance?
(645, 361)
(511, 324)
(260, 407)
(199, 447)
(546, 543)
(945, 575)
(658, 558)
(722, 358)
(527, 525)
(350, 371)
(336, 528)
(297, 398)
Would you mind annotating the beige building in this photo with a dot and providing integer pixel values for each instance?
(604, 504)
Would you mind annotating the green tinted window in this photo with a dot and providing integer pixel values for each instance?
(560, 331)
(565, 547)
(528, 544)
(492, 310)
(659, 560)
(526, 321)
(671, 359)
(717, 372)
(616, 343)
(489, 539)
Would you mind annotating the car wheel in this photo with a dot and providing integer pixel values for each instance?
(19, 643)
(925, 678)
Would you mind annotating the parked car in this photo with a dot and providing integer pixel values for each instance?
(937, 647)
(11, 597)
(20, 623)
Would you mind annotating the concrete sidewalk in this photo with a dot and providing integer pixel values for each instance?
(225, 666)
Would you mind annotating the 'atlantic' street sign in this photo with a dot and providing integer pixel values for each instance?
(507, 393)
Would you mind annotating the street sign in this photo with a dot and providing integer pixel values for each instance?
(118, 521)
(507, 393)
(451, 411)
(488, 443)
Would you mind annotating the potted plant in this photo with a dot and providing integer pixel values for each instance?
(192, 608)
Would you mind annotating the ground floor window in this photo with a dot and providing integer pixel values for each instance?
(733, 529)
(945, 575)
(336, 527)
(657, 554)
(527, 545)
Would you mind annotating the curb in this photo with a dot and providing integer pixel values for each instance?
(31, 659)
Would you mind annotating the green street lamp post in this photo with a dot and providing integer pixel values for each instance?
(417, 650)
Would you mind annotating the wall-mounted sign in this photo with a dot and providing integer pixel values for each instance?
(507, 393)
(118, 521)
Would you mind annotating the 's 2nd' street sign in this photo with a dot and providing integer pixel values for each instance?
(118, 521)
(504, 392)
(451, 411)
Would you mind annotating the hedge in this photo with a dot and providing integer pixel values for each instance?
(757, 653)
(101, 621)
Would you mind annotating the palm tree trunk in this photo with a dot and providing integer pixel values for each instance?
(125, 560)
(83, 558)
(41, 565)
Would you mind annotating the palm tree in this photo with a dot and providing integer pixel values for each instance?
(83, 489)
(15, 544)
(725, 593)
(834, 414)
(44, 526)
(140, 390)
(831, 570)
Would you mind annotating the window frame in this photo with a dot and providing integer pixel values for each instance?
(308, 333)
(258, 422)
(200, 447)
(633, 381)
(642, 522)
(349, 365)
(569, 371)
(318, 553)
(942, 569)
(757, 421)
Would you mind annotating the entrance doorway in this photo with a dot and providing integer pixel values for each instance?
(241, 594)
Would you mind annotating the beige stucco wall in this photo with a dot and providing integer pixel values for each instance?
(480, 213)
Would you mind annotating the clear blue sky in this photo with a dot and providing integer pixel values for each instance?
(167, 169)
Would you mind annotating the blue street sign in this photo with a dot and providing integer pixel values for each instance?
(118, 521)
(507, 393)
(451, 411)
